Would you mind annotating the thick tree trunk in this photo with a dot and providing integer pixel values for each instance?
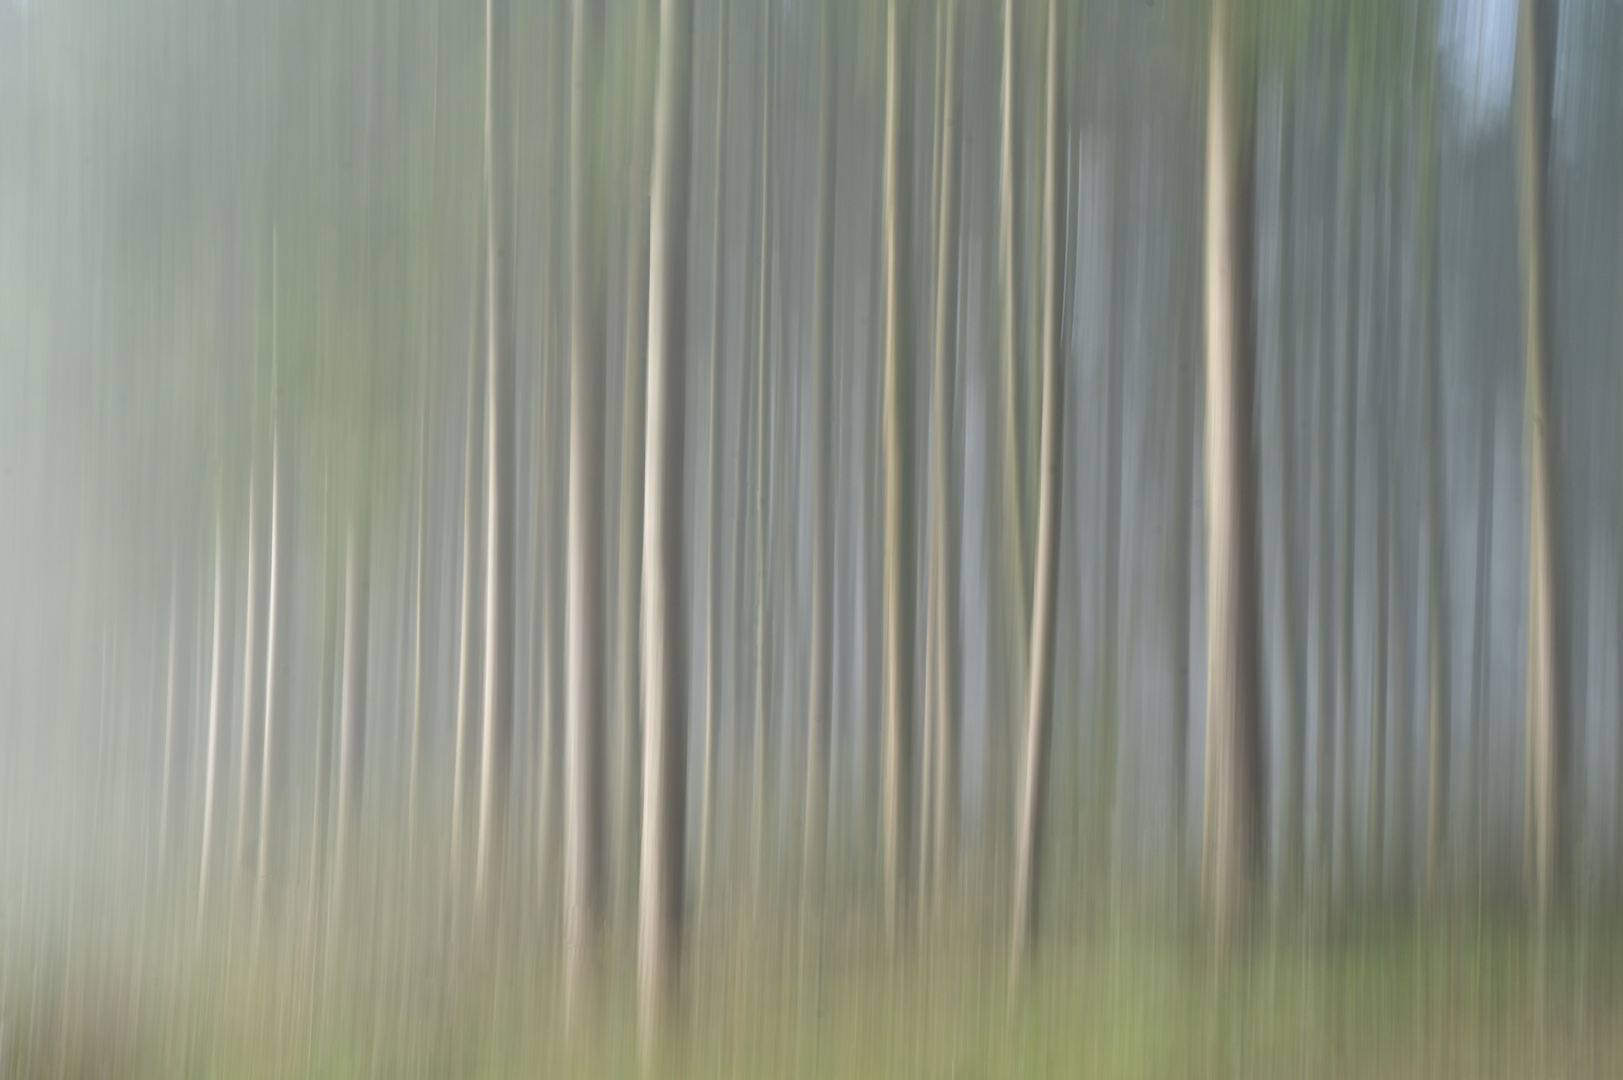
(496, 751)
(585, 719)
(898, 543)
(1234, 756)
(1548, 734)
(663, 615)
(819, 720)
(1045, 592)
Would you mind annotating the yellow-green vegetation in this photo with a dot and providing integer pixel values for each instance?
(386, 999)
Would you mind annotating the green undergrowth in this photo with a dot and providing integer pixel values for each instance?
(1377, 997)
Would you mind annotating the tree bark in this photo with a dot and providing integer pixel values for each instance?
(496, 770)
(1548, 734)
(1045, 593)
(897, 436)
(585, 720)
(819, 720)
(1234, 772)
(663, 615)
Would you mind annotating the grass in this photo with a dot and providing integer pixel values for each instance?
(392, 993)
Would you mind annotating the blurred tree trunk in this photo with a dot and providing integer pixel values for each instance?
(419, 584)
(1234, 773)
(166, 793)
(712, 649)
(1480, 621)
(1045, 592)
(1438, 623)
(275, 649)
(332, 611)
(216, 709)
(248, 741)
(627, 722)
(496, 771)
(1549, 839)
(1292, 603)
(759, 762)
(466, 753)
(1382, 316)
(898, 543)
(663, 615)
(585, 721)
(352, 695)
(943, 495)
(819, 721)
(1342, 861)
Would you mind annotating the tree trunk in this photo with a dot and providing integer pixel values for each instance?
(1292, 605)
(1234, 774)
(275, 660)
(463, 779)
(943, 502)
(585, 721)
(1480, 622)
(759, 761)
(352, 695)
(898, 543)
(712, 649)
(664, 799)
(496, 771)
(1547, 722)
(165, 791)
(248, 741)
(627, 723)
(1045, 592)
(216, 707)
(819, 720)
(1342, 860)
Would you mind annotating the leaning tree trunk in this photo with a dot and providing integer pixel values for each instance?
(496, 757)
(584, 741)
(1548, 736)
(1234, 776)
(664, 797)
(897, 437)
(1045, 592)
(819, 719)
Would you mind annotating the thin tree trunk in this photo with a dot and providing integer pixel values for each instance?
(275, 661)
(165, 791)
(496, 770)
(248, 740)
(352, 696)
(1548, 732)
(712, 660)
(1349, 537)
(758, 766)
(1291, 605)
(1480, 621)
(628, 724)
(1233, 696)
(898, 542)
(663, 611)
(463, 778)
(216, 707)
(819, 720)
(1045, 593)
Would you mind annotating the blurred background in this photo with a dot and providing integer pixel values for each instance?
(811, 537)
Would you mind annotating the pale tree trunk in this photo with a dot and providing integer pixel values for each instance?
(712, 651)
(897, 437)
(627, 722)
(758, 754)
(1342, 860)
(1009, 537)
(352, 696)
(496, 750)
(418, 587)
(165, 790)
(1480, 623)
(1045, 592)
(1324, 546)
(465, 753)
(819, 719)
(216, 709)
(275, 661)
(332, 610)
(1548, 737)
(1381, 404)
(664, 800)
(1234, 774)
(943, 566)
(585, 721)
(248, 741)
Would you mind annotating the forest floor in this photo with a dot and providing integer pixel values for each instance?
(1386, 998)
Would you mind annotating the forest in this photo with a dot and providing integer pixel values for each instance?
(939, 538)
